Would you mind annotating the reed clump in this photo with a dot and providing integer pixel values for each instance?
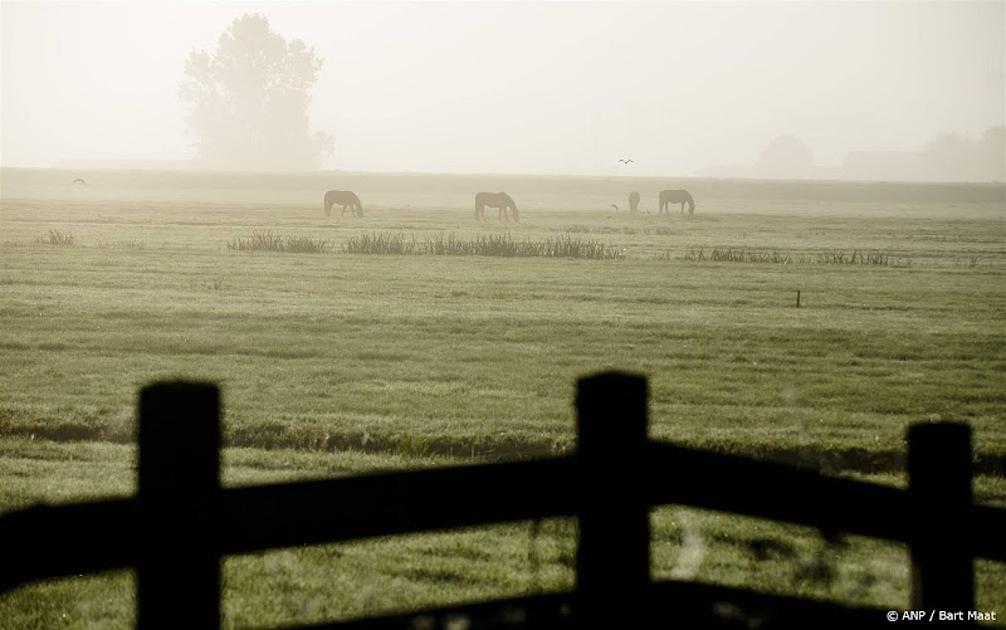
(270, 242)
(58, 238)
(564, 246)
(835, 257)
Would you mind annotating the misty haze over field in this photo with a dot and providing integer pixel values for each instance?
(908, 90)
(372, 256)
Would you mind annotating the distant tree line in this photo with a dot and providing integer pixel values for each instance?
(949, 157)
(958, 157)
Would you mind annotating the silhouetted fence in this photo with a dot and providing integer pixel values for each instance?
(181, 522)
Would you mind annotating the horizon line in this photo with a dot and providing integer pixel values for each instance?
(161, 166)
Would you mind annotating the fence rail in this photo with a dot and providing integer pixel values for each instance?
(180, 523)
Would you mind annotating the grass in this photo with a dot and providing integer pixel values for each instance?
(745, 255)
(58, 238)
(381, 243)
(739, 256)
(733, 364)
(347, 363)
(605, 229)
(269, 242)
(120, 245)
(861, 258)
(483, 245)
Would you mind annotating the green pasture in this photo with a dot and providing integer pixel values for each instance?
(334, 363)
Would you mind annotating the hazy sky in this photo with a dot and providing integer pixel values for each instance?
(522, 88)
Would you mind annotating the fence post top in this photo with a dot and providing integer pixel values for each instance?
(611, 375)
(943, 430)
(180, 386)
(630, 382)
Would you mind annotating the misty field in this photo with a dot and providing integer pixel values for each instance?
(338, 359)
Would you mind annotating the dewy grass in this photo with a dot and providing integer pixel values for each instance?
(56, 237)
(836, 257)
(483, 245)
(305, 245)
(861, 258)
(380, 243)
(607, 229)
(351, 364)
(739, 256)
(269, 242)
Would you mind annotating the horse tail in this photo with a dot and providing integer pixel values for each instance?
(691, 203)
(327, 204)
(480, 205)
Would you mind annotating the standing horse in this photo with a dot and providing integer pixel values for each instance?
(633, 201)
(344, 198)
(499, 200)
(668, 197)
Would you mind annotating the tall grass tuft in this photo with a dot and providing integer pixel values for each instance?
(607, 229)
(380, 243)
(269, 242)
(838, 257)
(56, 237)
(484, 245)
(305, 245)
(120, 245)
(856, 257)
(740, 255)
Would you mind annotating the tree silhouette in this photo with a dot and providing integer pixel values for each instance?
(248, 101)
(957, 157)
(786, 156)
(993, 153)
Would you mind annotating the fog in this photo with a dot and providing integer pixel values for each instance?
(683, 89)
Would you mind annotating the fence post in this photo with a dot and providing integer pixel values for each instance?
(613, 559)
(178, 568)
(939, 489)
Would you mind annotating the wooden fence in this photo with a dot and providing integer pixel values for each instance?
(180, 524)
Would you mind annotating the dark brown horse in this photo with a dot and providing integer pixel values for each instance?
(499, 200)
(344, 198)
(633, 201)
(668, 197)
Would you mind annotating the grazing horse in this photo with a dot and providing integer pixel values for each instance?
(668, 197)
(346, 199)
(633, 201)
(499, 200)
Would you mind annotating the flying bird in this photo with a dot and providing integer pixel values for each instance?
(626, 161)
(79, 181)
